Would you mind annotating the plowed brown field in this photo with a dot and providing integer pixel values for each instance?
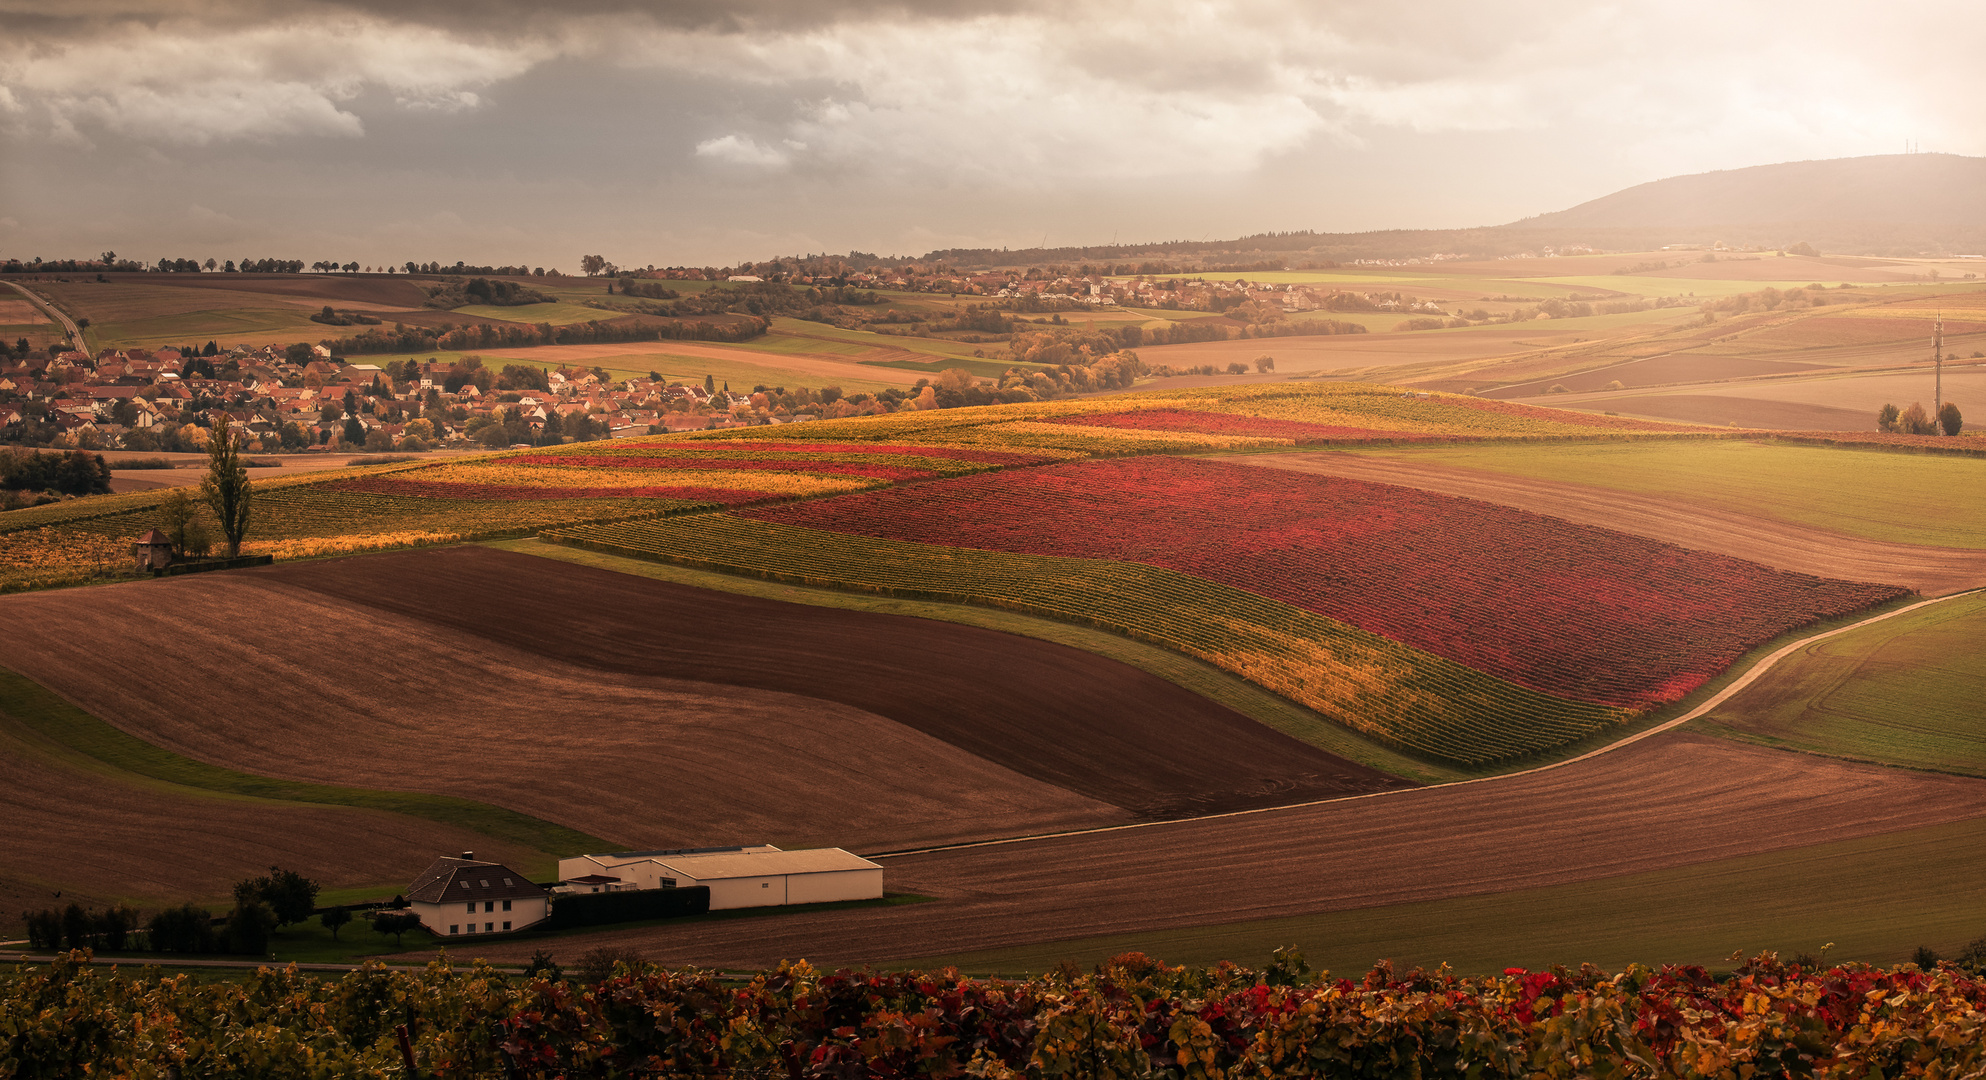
(95, 837)
(648, 713)
(1672, 800)
(1929, 570)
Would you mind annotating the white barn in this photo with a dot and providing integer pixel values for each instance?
(738, 877)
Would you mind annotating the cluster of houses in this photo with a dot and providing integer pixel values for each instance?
(145, 399)
(462, 895)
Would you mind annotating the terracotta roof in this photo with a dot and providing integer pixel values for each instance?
(155, 537)
(451, 880)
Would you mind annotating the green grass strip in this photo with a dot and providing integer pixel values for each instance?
(35, 709)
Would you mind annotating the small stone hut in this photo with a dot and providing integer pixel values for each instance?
(153, 551)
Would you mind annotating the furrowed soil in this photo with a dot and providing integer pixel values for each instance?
(96, 835)
(1676, 799)
(653, 714)
(376, 700)
(1932, 571)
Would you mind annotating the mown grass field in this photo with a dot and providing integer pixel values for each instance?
(560, 314)
(1880, 495)
(1907, 691)
(1791, 901)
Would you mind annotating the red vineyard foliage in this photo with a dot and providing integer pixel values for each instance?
(948, 453)
(431, 489)
(1570, 610)
(1133, 1018)
(836, 468)
(1211, 423)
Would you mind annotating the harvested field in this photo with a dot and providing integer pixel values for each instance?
(435, 671)
(397, 291)
(97, 835)
(1872, 493)
(1693, 799)
(1726, 409)
(1657, 371)
(648, 761)
(1671, 519)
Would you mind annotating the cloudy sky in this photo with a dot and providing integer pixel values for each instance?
(694, 131)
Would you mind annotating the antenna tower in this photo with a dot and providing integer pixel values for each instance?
(1938, 354)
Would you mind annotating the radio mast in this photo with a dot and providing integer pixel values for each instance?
(1938, 355)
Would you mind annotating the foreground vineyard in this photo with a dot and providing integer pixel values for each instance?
(1133, 1018)
(1390, 691)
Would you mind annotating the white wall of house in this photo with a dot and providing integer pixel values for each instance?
(456, 919)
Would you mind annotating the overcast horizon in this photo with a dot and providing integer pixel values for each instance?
(698, 133)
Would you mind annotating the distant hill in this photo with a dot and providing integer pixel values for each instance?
(1934, 191)
(1895, 204)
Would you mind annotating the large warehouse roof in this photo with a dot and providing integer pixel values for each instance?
(744, 864)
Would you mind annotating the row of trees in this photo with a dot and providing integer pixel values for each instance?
(408, 339)
(261, 905)
(1915, 421)
(72, 473)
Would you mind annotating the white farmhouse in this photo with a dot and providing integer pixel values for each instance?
(738, 877)
(458, 896)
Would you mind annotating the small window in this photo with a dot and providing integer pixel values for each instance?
(506, 881)
(472, 907)
(506, 905)
(506, 926)
(485, 883)
(464, 884)
(488, 927)
(454, 928)
(765, 884)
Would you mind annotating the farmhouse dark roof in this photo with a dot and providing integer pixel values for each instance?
(451, 880)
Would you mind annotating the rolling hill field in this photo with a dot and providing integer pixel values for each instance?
(915, 631)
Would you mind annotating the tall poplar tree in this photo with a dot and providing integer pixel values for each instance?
(226, 486)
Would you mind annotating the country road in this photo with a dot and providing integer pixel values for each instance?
(75, 332)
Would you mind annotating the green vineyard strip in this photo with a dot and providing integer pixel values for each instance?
(1409, 699)
(33, 708)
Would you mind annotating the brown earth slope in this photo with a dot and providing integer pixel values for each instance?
(93, 836)
(1069, 718)
(1671, 800)
(643, 712)
(1929, 570)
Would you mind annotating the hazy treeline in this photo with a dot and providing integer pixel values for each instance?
(409, 339)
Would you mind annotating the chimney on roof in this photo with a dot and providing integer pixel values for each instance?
(469, 855)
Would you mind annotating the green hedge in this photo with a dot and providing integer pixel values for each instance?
(596, 909)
